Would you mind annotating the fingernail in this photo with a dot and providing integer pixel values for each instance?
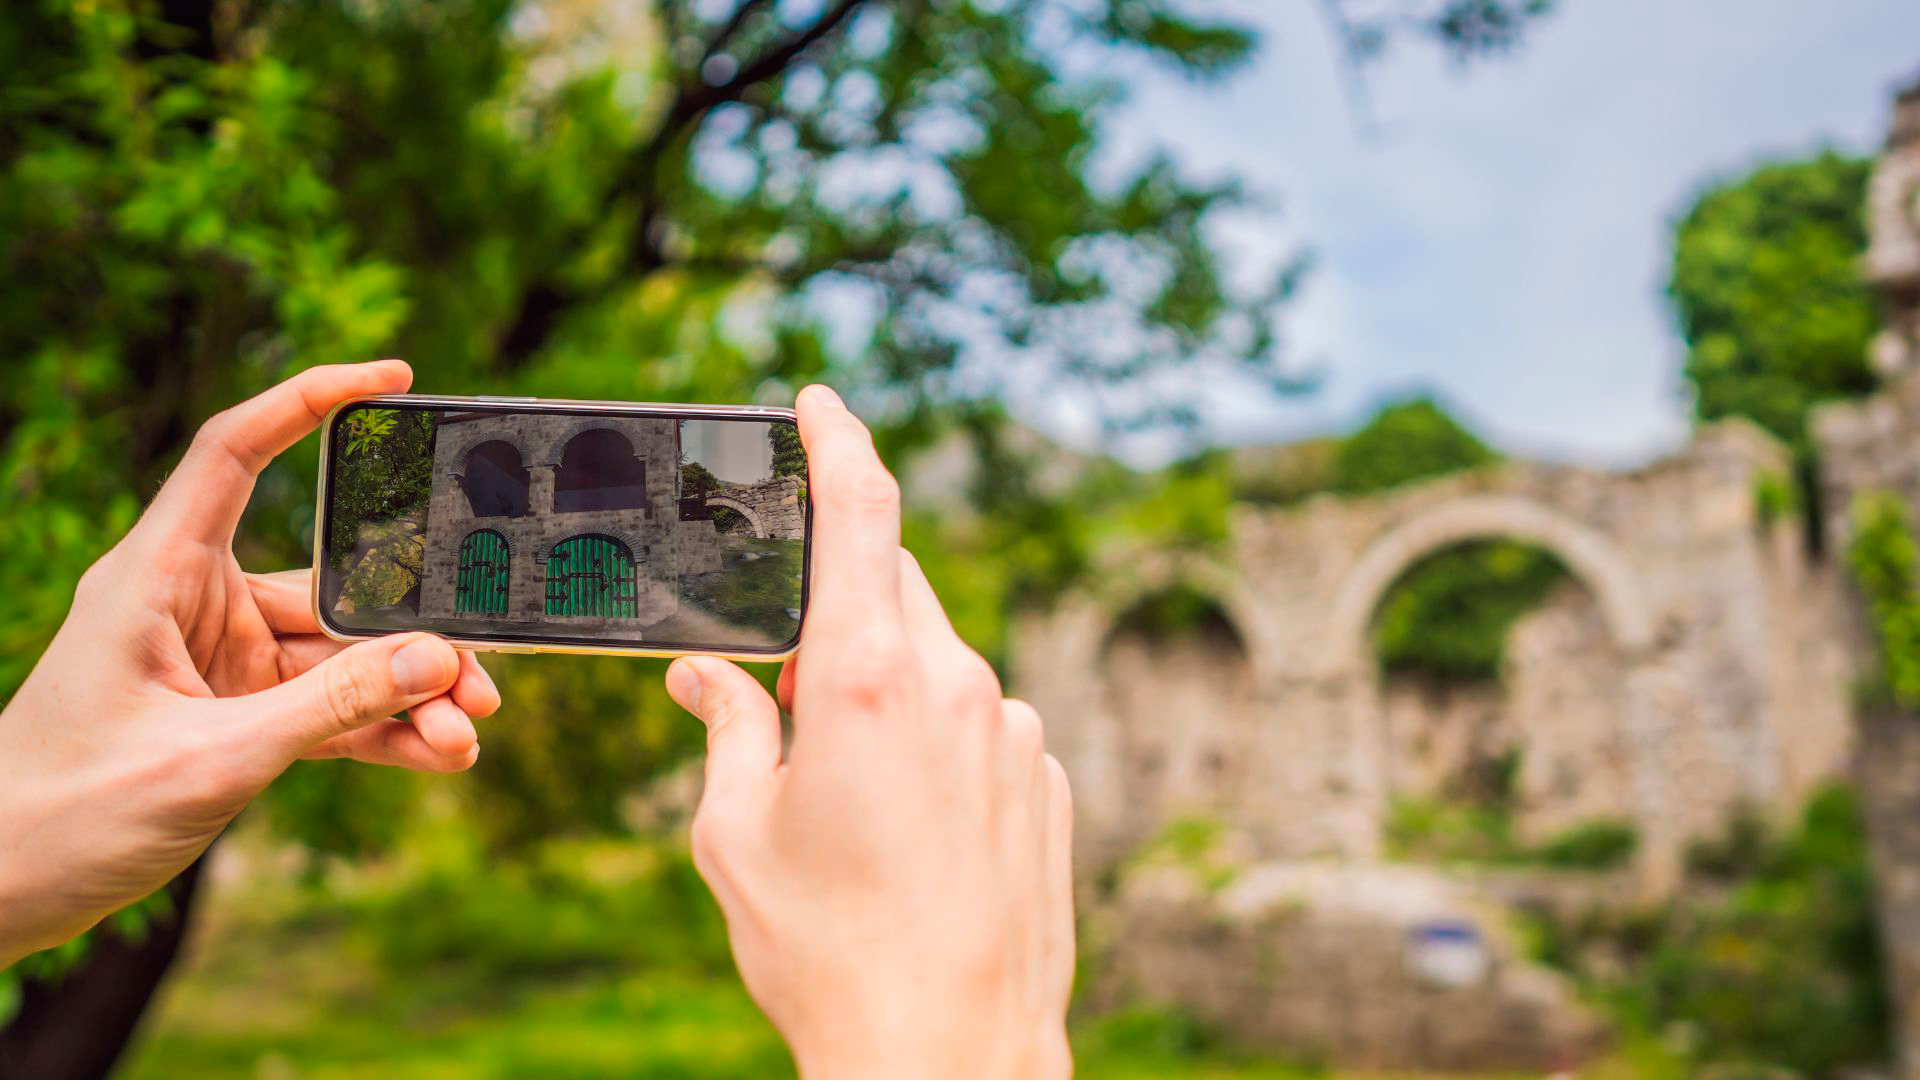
(827, 397)
(684, 684)
(419, 667)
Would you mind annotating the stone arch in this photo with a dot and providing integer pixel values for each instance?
(459, 437)
(494, 478)
(555, 448)
(728, 502)
(1181, 701)
(1120, 595)
(599, 469)
(1589, 556)
(634, 539)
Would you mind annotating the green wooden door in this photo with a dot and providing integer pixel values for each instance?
(592, 575)
(480, 585)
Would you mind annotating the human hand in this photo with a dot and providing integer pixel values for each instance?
(180, 686)
(898, 891)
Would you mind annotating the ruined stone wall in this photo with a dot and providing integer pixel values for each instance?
(1694, 687)
(1330, 961)
(774, 508)
(1874, 446)
(1702, 664)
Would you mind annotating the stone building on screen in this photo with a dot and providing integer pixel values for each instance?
(575, 522)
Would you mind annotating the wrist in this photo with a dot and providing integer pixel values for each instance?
(20, 932)
(1045, 1057)
(37, 911)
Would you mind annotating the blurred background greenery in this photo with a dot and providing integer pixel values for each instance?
(198, 197)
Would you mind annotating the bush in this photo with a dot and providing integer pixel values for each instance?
(1596, 845)
(565, 909)
(1777, 968)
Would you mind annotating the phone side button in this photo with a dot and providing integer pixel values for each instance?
(516, 650)
(505, 399)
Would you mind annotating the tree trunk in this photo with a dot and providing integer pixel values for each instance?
(77, 1027)
(1889, 770)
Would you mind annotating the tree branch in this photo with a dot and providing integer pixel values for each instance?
(725, 35)
(546, 301)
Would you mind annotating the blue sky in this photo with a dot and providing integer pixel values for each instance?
(1500, 239)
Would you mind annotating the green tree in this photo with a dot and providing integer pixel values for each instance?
(1405, 441)
(384, 466)
(697, 481)
(197, 197)
(789, 458)
(1767, 292)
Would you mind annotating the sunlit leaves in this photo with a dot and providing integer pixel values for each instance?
(1766, 288)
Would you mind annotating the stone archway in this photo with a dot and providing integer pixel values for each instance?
(1180, 688)
(727, 502)
(1589, 556)
(1574, 766)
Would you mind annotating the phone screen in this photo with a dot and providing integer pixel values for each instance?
(566, 525)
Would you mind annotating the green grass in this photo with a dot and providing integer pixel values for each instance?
(583, 960)
(758, 585)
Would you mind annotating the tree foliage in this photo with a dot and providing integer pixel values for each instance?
(1767, 291)
(1883, 561)
(697, 481)
(1771, 966)
(1405, 441)
(1448, 616)
(789, 457)
(383, 466)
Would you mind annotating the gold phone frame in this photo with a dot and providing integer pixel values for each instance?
(508, 403)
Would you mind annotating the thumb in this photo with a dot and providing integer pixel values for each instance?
(354, 687)
(743, 724)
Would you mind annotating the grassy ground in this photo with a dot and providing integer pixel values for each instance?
(590, 960)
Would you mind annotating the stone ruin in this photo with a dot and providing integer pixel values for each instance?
(1700, 666)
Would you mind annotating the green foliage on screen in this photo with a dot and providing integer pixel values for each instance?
(1767, 291)
(383, 467)
(697, 481)
(789, 457)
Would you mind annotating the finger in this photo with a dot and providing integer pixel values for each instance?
(1022, 745)
(783, 686)
(369, 681)
(444, 726)
(743, 726)
(856, 526)
(393, 742)
(301, 653)
(203, 498)
(473, 690)
(285, 601)
(926, 621)
(1059, 871)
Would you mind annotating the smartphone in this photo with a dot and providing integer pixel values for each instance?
(526, 525)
